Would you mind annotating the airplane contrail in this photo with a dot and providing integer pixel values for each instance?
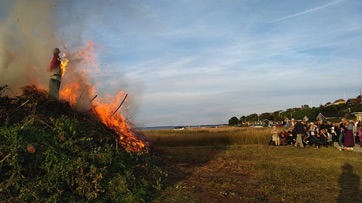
(308, 11)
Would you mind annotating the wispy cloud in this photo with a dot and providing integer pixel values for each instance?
(315, 9)
(194, 63)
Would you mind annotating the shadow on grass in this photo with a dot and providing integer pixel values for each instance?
(349, 184)
(180, 163)
(192, 161)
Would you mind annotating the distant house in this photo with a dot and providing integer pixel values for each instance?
(305, 106)
(278, 112)
(267, 122)
(339, 101)
(358, 115)
(309, 118)
(353, 101)
(328, 104)
(329, 115)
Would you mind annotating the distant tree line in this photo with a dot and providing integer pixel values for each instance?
(298, 113)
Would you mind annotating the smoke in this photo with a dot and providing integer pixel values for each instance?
(27, 38)
(30, 30)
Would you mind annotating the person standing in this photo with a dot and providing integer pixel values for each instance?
(322, 133)
(55, 75)
(312, 131)
(359, 131)
(349, 137)
(275, 136)
(299, 131)
(342, 127)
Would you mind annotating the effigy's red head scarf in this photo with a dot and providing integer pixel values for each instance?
(55, 63)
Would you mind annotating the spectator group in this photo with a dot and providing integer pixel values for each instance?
(346, 133)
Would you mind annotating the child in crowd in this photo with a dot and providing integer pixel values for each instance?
(283, 137)
(275, 136)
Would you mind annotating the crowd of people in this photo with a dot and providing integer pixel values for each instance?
(346, 133)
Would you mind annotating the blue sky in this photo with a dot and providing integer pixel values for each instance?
(192, 62)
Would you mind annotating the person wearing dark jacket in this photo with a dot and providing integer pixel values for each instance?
(299, 131)
(55, 76)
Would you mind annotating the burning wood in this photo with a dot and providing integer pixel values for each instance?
(119, 106)
(93, 98)
(77, 92)
(74, 92)
(35, 102)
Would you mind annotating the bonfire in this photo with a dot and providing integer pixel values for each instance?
(53, 152)
(82, 96)
(35, 102)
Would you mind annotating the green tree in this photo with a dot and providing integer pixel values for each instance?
(233, 121)
(266, 116)
(252, 117)
(242, 119)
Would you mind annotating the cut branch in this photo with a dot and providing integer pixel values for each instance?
(81, 94)
(6, 157)
(24, 103)
(119, 106)
(93, 98)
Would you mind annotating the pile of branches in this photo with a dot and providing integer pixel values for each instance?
(51, 152)
(34, 102)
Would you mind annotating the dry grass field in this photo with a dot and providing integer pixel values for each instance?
(209, 136)
(238, 165)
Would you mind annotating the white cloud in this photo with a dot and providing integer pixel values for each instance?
(191, 62)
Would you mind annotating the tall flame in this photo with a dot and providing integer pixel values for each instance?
(77, 89)
(117, 122)
(70, 93)
(63, 66)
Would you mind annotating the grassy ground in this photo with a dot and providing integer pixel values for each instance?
(247, 172)
(209, 136)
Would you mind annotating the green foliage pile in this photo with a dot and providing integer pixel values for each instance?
(51, 153)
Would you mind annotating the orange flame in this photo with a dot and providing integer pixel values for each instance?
(63, 66)
(117, 122)
(70, 93)
(78, 91)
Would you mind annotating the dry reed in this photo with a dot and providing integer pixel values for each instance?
(209, 136)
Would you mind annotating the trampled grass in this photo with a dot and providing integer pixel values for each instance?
(249, 170)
